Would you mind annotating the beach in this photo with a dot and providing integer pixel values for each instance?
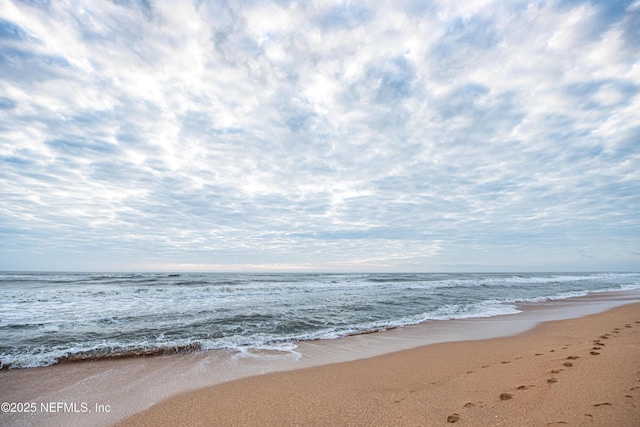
(569, 361)
(319, 213)
(583, 371)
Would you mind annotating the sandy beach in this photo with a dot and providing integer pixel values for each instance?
(583, 371)
(572, 361)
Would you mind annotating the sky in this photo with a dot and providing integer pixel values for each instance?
(405, 135)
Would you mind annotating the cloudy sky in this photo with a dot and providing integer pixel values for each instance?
(401, 135)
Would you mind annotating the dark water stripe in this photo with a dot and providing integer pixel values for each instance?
(123, 354)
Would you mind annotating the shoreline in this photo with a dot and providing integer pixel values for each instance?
(129, 386)
(581, 371)
(197, 347)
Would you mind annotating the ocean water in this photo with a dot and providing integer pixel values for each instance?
(46, 318)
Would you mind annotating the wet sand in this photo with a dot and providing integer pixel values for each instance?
(583, 371)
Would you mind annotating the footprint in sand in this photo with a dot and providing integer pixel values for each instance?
(552, 380)
(568, 364)
(505, 396)
(594, 353)
(573, 357)
(453, 418)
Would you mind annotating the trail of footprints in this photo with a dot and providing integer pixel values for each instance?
(598, 345)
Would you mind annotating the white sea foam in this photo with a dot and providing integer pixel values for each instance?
(51, 317)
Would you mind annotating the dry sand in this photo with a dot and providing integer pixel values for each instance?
(573, 372)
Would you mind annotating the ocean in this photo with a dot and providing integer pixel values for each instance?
(47, 318)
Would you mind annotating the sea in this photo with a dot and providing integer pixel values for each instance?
(47, 318)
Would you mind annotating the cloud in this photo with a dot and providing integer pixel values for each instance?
(319, 135)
